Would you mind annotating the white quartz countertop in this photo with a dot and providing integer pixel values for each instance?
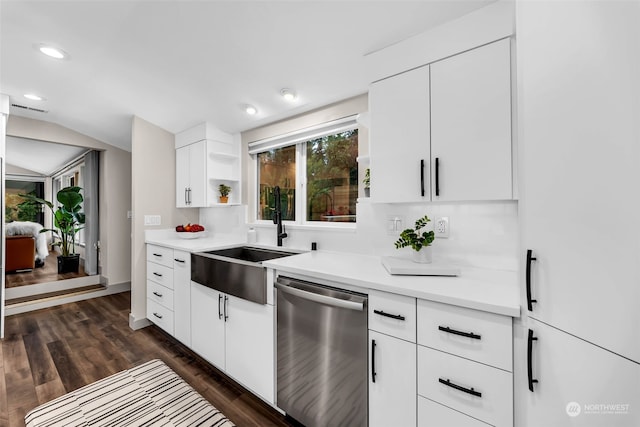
(488, 290)
(170, 240)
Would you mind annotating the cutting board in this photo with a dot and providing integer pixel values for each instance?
(404, 266)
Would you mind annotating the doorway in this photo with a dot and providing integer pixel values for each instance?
(54, 167)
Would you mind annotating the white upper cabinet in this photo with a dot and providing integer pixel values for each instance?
(399, 137)
(471, 125)
(191, 175)
(203, 164)
(452, 117)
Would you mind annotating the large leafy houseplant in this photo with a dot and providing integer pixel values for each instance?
(67, 218)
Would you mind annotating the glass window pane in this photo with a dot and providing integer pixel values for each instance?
(277, 167)
(20, 209)
(332, 177)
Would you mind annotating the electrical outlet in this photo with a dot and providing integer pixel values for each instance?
(441, 228)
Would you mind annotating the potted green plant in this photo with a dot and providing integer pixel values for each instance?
(224, 193)
(419, 241)
(367, 182)
(67, 220)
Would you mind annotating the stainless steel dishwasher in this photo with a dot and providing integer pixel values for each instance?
(321, 354)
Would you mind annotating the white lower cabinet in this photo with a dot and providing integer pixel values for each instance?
(475, 389)
(564, 380)
(250, 345)
(235, 335)
(207, 324)
(168, 278)
(432, 414)
(182, 296)
(392, 381)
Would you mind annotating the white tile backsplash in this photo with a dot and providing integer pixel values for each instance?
(482, 234)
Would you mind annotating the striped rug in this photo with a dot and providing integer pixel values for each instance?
(148, 395)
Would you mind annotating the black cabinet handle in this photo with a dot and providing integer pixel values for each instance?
(528, 280)
(157, 274)
(459, 387)
(373, 360)
(422, 177)
(159, 316)
(158, 255)
(530, 341)
(437, 176)
(462, 334)
(157, 294)
(226, 303)
(179, 260)
(219, 308)
(393, 316)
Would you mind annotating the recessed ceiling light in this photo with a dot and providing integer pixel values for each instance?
(33, 97)
(250, 109)
(52, 51)
(288, 94)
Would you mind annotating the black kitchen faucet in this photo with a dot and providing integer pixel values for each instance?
(277, 216)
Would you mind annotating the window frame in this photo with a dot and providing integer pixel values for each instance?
(330, 128)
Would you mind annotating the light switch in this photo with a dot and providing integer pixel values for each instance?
(152, 220)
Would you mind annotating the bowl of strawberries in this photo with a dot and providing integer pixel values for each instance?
(190, 231)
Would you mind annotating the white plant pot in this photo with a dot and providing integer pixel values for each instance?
(424, 255)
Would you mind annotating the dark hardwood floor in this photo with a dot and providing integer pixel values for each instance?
(49, 352)
(44, 274)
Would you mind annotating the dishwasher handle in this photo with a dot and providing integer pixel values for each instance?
(312, 296)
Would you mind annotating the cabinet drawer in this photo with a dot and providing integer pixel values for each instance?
(494, 405)
(473, 334)
(160, 294)
(393, 315)
(160, 274)
(160, 255)
(432, 414)
(160, 315)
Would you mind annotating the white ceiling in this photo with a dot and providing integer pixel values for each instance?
(179, 63)
(42, 157)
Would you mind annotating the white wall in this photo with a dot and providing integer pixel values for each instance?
(115, 191)
(153, 161)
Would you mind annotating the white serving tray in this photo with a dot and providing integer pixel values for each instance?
(404, 266)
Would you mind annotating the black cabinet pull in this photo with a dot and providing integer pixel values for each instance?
(157, 274)
(393, 316)
(373, 360)
(459, 387)
(528, 280)
(462, 334)
(158, 255)
(530, 341)
(159, 316)
(437, 176)
(157, 294)
(179, 260)
(219, 308)
(226, 303)
(422, 177)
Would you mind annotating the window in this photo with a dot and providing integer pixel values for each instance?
(18, 208)
(316, 170)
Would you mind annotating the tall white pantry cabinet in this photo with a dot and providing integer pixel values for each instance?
(577, 345)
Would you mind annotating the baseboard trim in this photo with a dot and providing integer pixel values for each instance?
(139, 323)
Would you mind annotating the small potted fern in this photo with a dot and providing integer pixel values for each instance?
(419, 241)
